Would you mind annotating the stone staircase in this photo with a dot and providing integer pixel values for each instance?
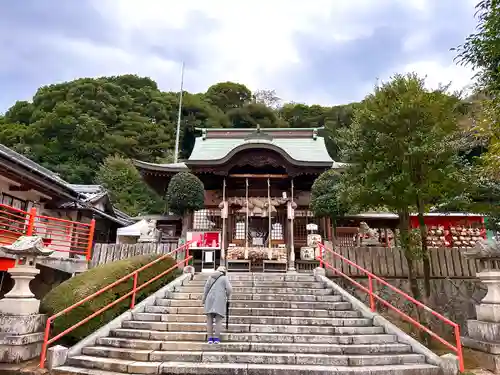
(279, 324)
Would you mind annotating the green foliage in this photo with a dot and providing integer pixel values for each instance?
(72, 127)
(127, 189)
(93, 280)
(185, 193)
(228, 95)
(325, 196)
(403, 146)
(482, 196)
(298, 115)
(482, 49)
(253, 114)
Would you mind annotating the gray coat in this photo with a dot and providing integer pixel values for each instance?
(216, 294)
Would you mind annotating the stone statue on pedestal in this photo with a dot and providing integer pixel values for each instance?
(484, 333)
(369, 236)
(19, 309)
(149, 233)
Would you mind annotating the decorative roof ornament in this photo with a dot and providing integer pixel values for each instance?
(315, 133)
(258, 134)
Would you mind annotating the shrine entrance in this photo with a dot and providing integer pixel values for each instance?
(259, 234)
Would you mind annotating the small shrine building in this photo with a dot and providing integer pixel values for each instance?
(257, 194)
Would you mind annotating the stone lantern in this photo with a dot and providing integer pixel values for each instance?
(21, 325)
(484, 333)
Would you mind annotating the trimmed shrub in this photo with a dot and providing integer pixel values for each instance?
(93, 280)
(185, 193)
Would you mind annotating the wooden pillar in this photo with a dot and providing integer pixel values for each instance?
(329, 231)
(224, 212)
(269, 214)
(291, 215)
(246, 220)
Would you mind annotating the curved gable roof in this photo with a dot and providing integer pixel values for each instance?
(218, 146)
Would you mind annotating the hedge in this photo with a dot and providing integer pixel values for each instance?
(83, 285)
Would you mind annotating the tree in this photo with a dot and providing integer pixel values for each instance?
(267, 98)
(326, 198)
(228, 95)
(72, 127)
(299, 115)
(127, 190)
(481, 50)
(253, 114)
(403, 152)
(185, 194)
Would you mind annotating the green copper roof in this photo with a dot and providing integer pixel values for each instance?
(299, 145)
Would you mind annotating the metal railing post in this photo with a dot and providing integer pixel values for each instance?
(31, 222)
(459, 349)
(90, 242)
(372, 299)
(45, 344)
(134, 290)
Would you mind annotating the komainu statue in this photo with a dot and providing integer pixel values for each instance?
(149, 233)
(369, 236)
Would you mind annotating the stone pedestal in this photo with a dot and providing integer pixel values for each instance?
(21, 325)
(20, 300)
(484, 333)
(21, 337)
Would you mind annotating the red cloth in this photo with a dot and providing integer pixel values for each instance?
(6, 263)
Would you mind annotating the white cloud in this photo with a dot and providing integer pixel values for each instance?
(252, 42)
(436, 73)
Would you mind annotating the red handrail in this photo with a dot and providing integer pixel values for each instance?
(375, 297)
(133, 292)
(62, 235)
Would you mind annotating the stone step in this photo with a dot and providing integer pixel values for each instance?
(218, 354)
(264, 284)
(165, 310)
(238, 311)
(357, 334)
(246, 319)
(292, 305)
(248, 290)
(325, 295)
(379, 344)
(259, 297)
(95, 366)
(255, 328)
(260, 277)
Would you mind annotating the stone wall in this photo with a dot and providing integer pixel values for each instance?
(453, 298)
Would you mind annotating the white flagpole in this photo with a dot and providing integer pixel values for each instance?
(178, 133)
(246, 223)
(269, 212)
(226, 209)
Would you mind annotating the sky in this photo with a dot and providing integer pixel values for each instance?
(322, 51)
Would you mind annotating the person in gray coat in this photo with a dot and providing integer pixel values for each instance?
(215, 296)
